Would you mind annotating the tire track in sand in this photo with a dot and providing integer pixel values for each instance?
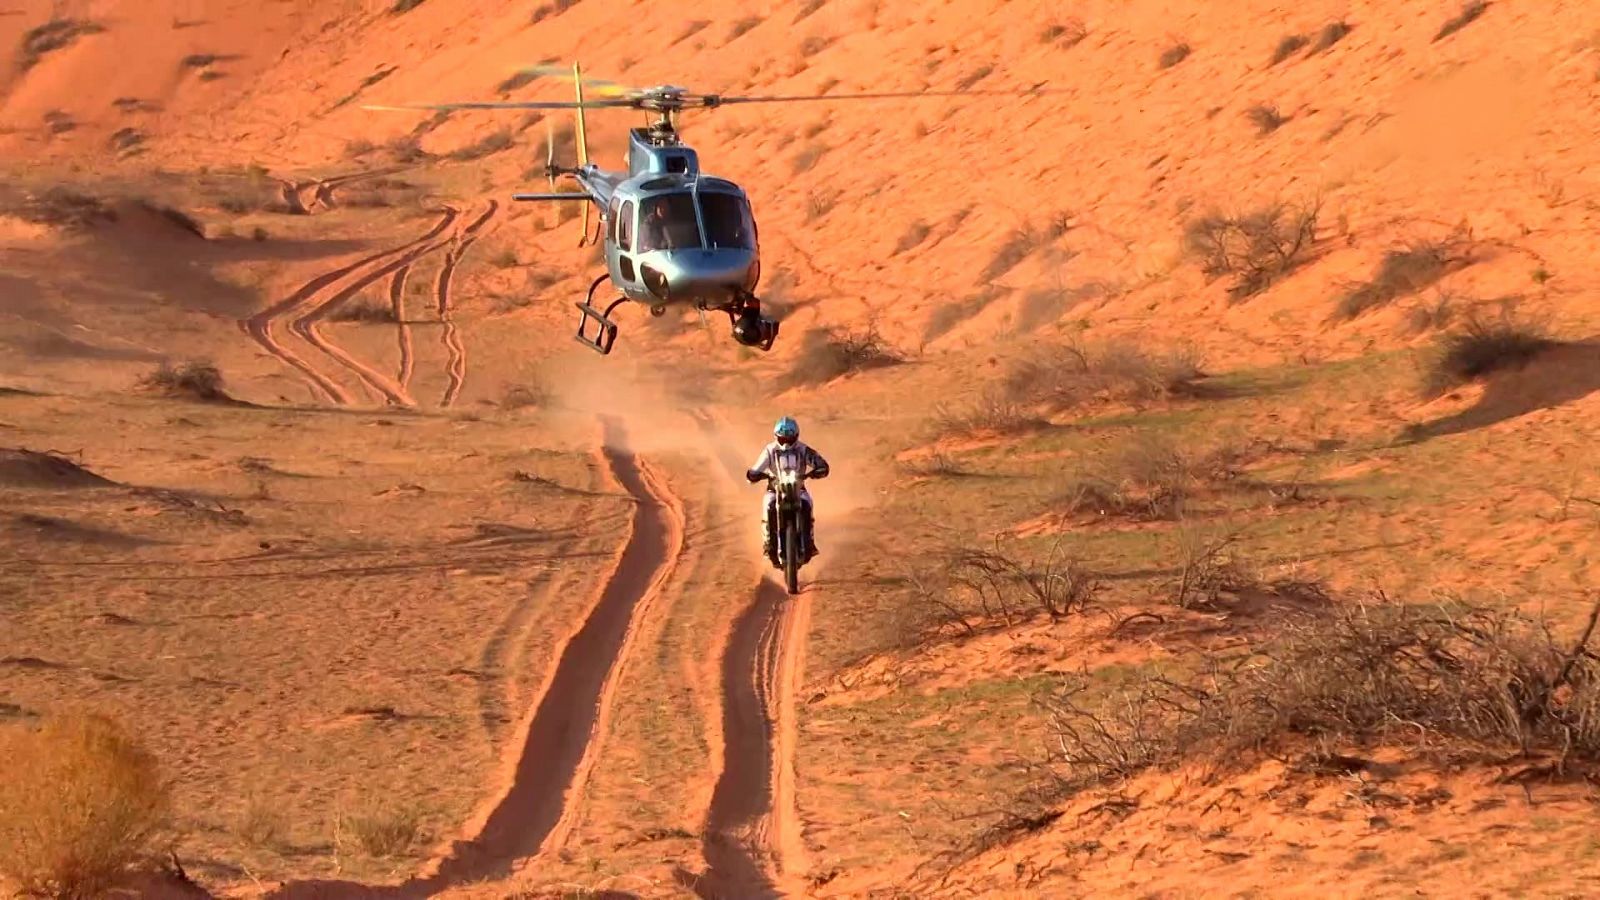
(259, 326)
(751, 841)
(306, 325)
(456, 367)
(397, 306)
(562, 738)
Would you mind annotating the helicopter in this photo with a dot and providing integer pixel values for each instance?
(673, 235)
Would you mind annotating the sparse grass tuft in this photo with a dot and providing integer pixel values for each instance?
(830, 353)
(915, 234)
(1483, 346)
(406, 148)
(1149, 477)
(1470, 11)
(53, 35)
(809, 7)
(63, 208)
(1430, 315)
(1256, 249)
(384, 829)
(404, 6)
(1331, 33)
(359, 147)
(195, 379)
(198, 60)
(1288, 46)
(808, 157)
(1022, 242)
(262, 825)
(1173, 55)
(80, 802)
(1401, 273)
(519, 80)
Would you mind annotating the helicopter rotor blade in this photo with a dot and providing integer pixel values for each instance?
(554, 104)
(720, 100)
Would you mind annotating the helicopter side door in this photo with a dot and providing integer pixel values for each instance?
(621, 259)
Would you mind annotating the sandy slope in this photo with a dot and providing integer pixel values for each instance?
(406, 569)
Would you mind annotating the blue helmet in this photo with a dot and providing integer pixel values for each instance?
(787, 431)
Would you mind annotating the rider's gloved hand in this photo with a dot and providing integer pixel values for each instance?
(753, 476)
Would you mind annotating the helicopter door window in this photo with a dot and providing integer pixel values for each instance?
(625, 227)
(728, 222)
(613, 214)
(668, 223)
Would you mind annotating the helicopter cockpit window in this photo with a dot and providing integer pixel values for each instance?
(667, 222)
(729, 224)
(625, 227)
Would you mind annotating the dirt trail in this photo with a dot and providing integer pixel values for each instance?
(259, 326)
(561, 739)
(752, 841)
(306, 325)
(456, 367)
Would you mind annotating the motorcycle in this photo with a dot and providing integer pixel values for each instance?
(786, 521)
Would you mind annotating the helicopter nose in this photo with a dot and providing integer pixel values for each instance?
(695, 273)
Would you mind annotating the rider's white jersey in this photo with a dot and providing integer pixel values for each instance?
(797, 455)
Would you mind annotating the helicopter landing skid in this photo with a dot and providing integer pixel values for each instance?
(606, 336)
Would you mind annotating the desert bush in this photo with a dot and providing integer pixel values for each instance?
(979, 588)
(994, 412)
(53, 35)
(406, 148)
(489, 144)
(1265, 117)
(829, 353)
(363, 309)
(1288, 46)
(808, 157)
(1117, 370)
(1435, 676)
(1482, 346)
(1173, 55)
(809, 7)
(1401, 273)
(80, 802)
(198, 60)
(743, 26)
(404, 6)
(359, 147)
(1331, 33)
(554, 8)
(64, 208)
(1148, 477)
(1067, 33)
(914, 235)
(261, 824)
(1255, 249)
(1470, 11)
(1430, 315)
(195, 379)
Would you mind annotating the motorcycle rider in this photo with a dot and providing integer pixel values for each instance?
(786, 446)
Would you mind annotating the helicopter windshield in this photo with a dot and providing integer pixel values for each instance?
(728, 221)
(667, 222)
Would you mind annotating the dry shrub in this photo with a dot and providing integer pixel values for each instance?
(1149, 477)
(995, 587)
(1430, 315)
(197, 379)
(1173, 55)
(829, 353)
(809, 7)
(744, 26)
(1482, 346)
(363, 309)
(53, 35)
(1067, 33)
(1401, 273)
(1114, 371)
(1331, 33)
(262, 825)
(1255, 249)
(915, 234)
(1019, 244)
(947, 316)
(1288, 46)
(492, 143)
(994, 412)
(80, 802)
(1470, 11)
(1265, 117)
(1436, 677)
